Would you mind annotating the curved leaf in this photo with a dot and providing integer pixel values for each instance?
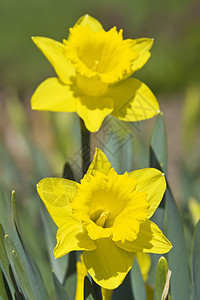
(137, 282)
(18, 268)
(159, 144)
(196, 263)
(60, 291)
(177, 257)
(162, 279)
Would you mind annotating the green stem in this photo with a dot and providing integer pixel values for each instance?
(85, 146)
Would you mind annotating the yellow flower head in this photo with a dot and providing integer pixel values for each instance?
(93, 67)
(106, 216)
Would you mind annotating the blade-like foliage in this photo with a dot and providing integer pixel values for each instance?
(137, 282)
(196, 263)
(162, 279)
(177, 257)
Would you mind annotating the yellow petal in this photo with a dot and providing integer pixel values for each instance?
(127, 224)
(142, 48)
(92, 22)
(144, 262)
(72, 236)
(93, 111)
(153, 182)
(52, 95)
(53, 51)
(150, 239)
(96, 232)
(100, 163)
(81, 273)
(108, 264)
(57, 193)
(133, 101)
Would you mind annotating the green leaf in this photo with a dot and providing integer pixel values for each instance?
(3, 293)
(18, 268)
(177, 257)
(14, 210)
(88, 290)
(60, 291)
(21, 275)
(70, 277)
(4, 262)
(33, 272)
(196, 263)
(159, 144)
(124, 291)
(58, 265)
(162, 279)
(137, 282)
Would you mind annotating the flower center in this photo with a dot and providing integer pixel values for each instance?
(91, 86)
(101, 55)
(109, 206)
(101, 220)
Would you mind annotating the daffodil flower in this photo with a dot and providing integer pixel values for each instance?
(106, 216)
(93, 68)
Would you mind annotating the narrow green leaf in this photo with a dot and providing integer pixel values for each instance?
(162, 279)
(196, 263)
(14, 210)
(60, 291)
(3, 293)
(4, 262)
(33, 272)
(159, 143)
(21, 275)
(70, 277)
(137, 282)
(18, 268)
(17, 291)
(177, 257)
(124, 291)
(88, 290)
(58, 265)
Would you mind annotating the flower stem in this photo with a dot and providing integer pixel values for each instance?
(85, 146)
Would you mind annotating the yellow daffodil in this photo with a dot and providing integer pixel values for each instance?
(106, 216)
(93, 67)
